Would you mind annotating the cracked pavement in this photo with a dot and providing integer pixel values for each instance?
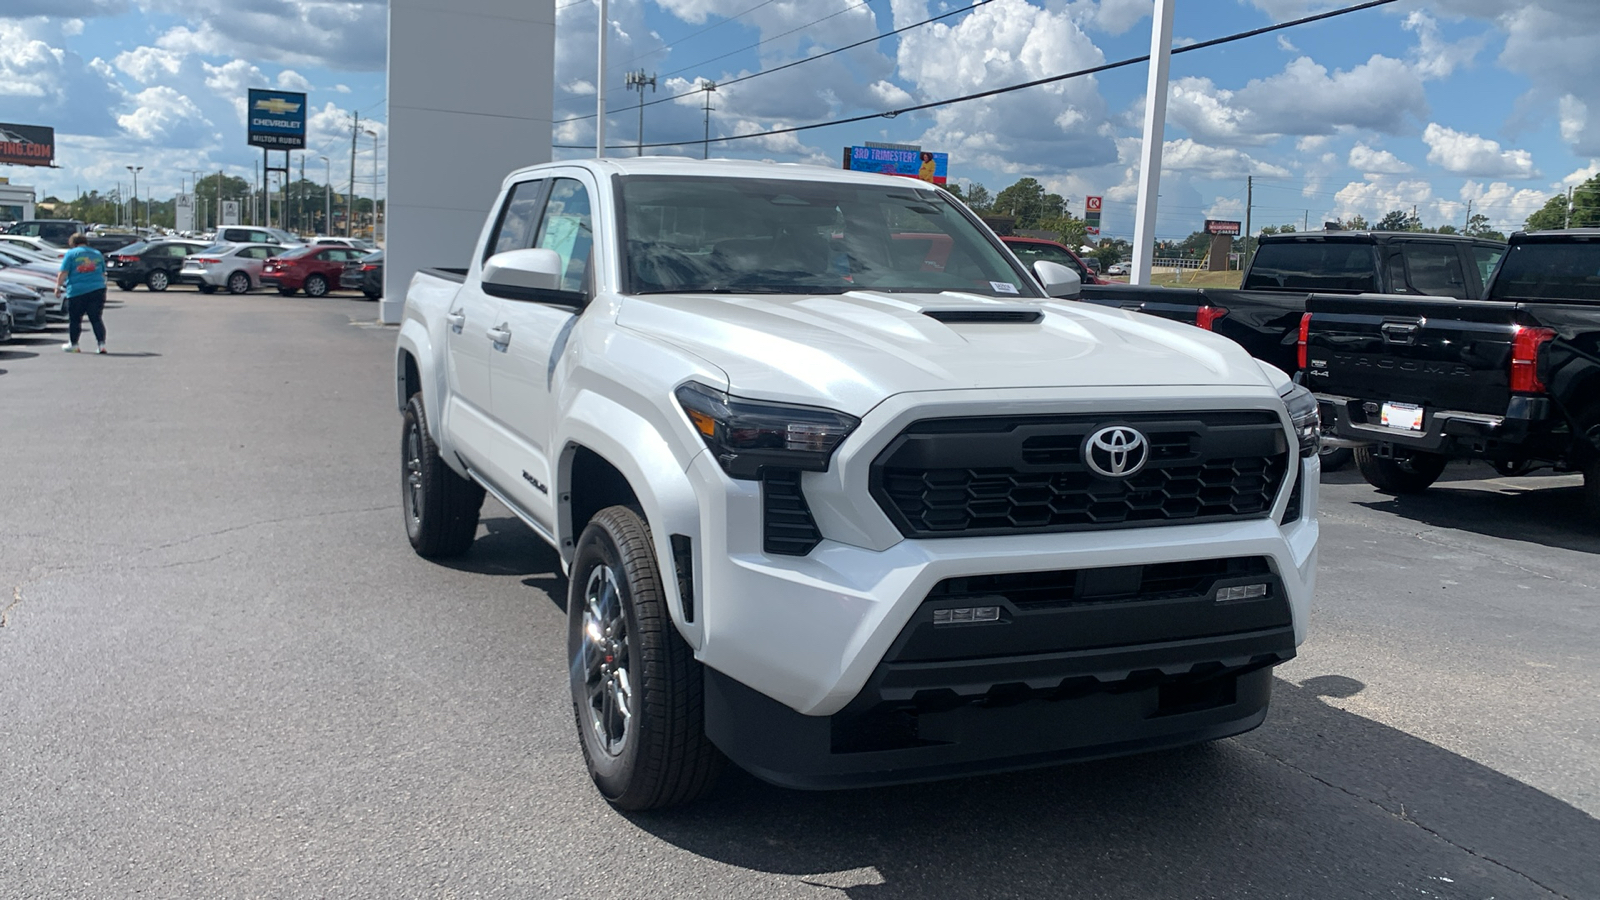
(224, 674)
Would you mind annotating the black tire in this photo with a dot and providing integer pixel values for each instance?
(158, 280)
(316, 286)
(1591, 489)
(1410, 474)
(208, 288)
(643, 734)
(286, 292)
(371, 296)
(126, 285)
(439, 506)
(239, 283)
(1335, 458)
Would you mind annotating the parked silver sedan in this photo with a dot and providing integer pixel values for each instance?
(236, 267)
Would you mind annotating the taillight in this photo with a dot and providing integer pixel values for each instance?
(1525, 359)
(1305, 336)
(368, 267)
(1207, 316)
(204, 260)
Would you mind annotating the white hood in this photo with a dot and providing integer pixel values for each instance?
(851, 351)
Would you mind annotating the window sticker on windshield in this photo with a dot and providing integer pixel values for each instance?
(1004, 287)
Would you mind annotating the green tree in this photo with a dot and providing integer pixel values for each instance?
(1552, 215)
(1395, 220)
(1068, 229)
(1356, 223)
(1029, 203)
(978, 198)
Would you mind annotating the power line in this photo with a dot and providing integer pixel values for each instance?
(825, 18)
(701, 31)
(994, 92)
(804, 60)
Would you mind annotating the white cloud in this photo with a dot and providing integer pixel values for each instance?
(350, 35)
(1215, 162)
(1469, 154)
(290, 80)
(1507, 207)
(1368, 161)
(147, 64)
(1435, 58)
(1574, 118)
(162, 114)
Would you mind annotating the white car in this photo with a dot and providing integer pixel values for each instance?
(842, 492)
(37, 245)
(235, 267)
(1117, 269)
(356, 243)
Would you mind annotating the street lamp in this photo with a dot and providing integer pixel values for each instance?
(327, 199)
(136, 170)
(374, 183)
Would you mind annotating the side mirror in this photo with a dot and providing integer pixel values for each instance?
(523, 274)
(1061, 282)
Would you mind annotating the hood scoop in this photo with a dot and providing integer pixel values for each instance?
(991, 316)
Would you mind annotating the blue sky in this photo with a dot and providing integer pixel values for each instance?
(1424, 103)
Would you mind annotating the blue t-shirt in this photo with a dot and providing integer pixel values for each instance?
(86, 271)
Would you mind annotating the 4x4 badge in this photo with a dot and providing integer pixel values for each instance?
(1116, 451)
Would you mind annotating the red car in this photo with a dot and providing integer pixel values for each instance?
(315, 270)
(1030, 249)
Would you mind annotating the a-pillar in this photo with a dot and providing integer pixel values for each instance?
(471, 88)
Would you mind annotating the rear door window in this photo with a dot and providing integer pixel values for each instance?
(1486, 258)
(1435, 269)
(1313, 266)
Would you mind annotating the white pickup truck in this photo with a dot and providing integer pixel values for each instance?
(842, 493)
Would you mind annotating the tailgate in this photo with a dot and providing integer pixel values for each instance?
(1179, 304)
(1436, 353)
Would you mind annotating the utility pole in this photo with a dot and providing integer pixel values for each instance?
(300, 195)
(1569, 207)
(708, 87)
(1467, 229)
(350, 203)
(600, 86)
(637, 80)
(327, 198)
(1249, 201)
(1415, 222)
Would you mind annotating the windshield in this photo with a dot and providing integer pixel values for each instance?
(1549, 271)
(1029, 253)
(1313, 266)
(687, 234)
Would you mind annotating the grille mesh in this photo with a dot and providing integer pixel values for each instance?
(990, 476)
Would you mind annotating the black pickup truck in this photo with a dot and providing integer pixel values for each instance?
(1513, 379)
(1263, 315)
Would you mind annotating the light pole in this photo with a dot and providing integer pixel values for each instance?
(136, 170)
(374, 183)
(705, 148)
(199, 211)
(327, 198)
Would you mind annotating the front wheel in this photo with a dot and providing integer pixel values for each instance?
(316, 286)
(440, 507)
(157, 280)
(636, 687)
(126, 285)
(1410, 474)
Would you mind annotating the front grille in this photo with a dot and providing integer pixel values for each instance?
(1114, 584)
(786, 524)
(1021, 475)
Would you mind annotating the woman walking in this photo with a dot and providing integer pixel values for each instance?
(83, 281)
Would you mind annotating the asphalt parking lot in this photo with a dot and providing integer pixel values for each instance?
(223, 673)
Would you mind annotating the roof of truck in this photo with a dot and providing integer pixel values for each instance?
(1374, 236)
(736, 168)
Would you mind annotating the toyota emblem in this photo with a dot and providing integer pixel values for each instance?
(1116, 451)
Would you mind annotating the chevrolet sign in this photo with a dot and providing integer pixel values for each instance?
(277, 120)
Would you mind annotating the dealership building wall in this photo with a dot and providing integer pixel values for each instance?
(471, 95)
(16, 202)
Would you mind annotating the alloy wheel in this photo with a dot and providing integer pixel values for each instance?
(604, 659)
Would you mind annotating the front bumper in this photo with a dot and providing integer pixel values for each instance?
(805, 654)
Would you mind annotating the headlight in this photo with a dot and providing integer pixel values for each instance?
(748, 435)
(1306, 419)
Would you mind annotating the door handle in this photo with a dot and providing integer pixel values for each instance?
(500, 335)
(1399, 332)
(456, 320)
